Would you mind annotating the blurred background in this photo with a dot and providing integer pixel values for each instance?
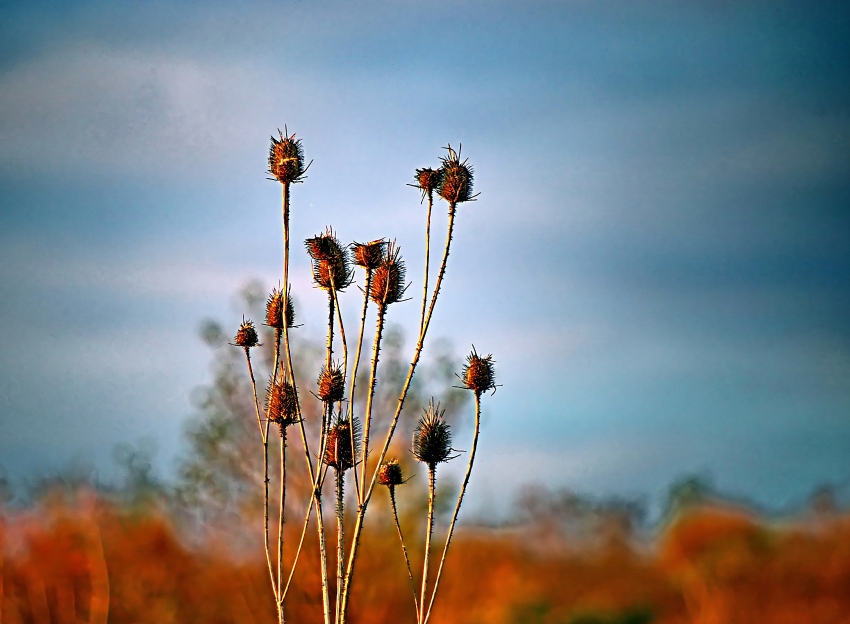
(659, 262)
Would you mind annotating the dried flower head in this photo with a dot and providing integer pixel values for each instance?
(331, 384)
(369, 255)
(432, 438)
(286, 158)
(388, 281)
(456, 181)
(331, 264)
(281, 403)
(390, 473)
(275, 310)
(342, 444)
(478, 374)
(246, 336)
(428, 180)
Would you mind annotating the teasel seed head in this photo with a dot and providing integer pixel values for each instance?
(478, 374)
(428, 180)
(275, 310)
(432, 438)
(331, 264)
(390, 473)
(281, 403)
(331, 384)
(388, 279)
(456, 181)
(341, 438)
(246, 336)
(369, 255)
(286, 158)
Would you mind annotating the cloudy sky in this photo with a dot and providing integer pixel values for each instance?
(659, 259)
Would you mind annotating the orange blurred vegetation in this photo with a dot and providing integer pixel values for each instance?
(79, 558)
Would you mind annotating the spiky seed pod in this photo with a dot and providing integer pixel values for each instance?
(388, 281)
(338, 453)
(286, 158)
(274, 310)
(331, 263)
(428, 180)
(456, 181)
(282, 403)
(478, 374)
(369, 255)
(331, 384)
(246, 336)
(390, 473)
(432, 438)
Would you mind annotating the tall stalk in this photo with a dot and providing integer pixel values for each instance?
(456, 510)
(429, 530)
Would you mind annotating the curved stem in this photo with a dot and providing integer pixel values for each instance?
(457, 505)
(429, 530)
(367, 492)
(281, 511)
(404, 550)
(353, 382)
(254, 388)
(427, 258)
(340, 536)
(367, 417)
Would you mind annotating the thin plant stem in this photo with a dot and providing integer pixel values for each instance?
(367, 492)
(265, 441)
(354, 375)
(429, 530)
(367, 416)
(457, 505)
(254, 388)
(281, 511)
(320, 522)
(298, 550)
(340, 536)
(427, 258)
(404, 550)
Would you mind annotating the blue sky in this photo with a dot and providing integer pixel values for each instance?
(659, 259)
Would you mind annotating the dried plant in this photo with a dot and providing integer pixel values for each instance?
(344, 445)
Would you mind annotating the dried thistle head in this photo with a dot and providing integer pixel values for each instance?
(281, 403)
(369, 255)
(343, 440)
(275, 310)
(331, 384)
(432, 438)
(246, 335)
(478, 374)
(390, 473)
(331, 264)
(428, 180)
(456, 181)
(286, 158)
(388, 280)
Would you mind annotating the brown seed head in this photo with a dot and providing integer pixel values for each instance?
(339, 453)
(456, 182)
(388, 280)
(331, 384)
(432, 438)
(478, 374)
(286, 159)
(428, 180)
(274, 310)
(281, 403)
(390, 473)
(246, 336)
(369, 255)
(331, 264)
